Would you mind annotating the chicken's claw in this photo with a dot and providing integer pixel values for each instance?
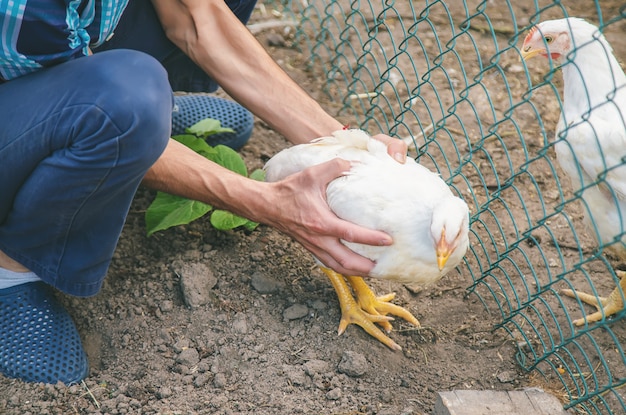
(380, 305)
(369, 310)
(607, 306)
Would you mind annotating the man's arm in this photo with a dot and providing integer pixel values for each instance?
(212, 36)
(295, 206)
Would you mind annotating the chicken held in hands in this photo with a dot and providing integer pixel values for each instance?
(428, 224)
(590, 136)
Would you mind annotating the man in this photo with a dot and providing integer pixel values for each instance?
(86, 100)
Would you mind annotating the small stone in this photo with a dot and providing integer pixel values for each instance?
(201, 380)
(264, 284)
(295, 312)
(203, 366)
(507, 376)
(196, 281)
(319, 305)
(257, 256)
(353, 364)
(166, 306)
(333, 394)
(219, 381)
(386, 396)
(188, 357)
(187, 379)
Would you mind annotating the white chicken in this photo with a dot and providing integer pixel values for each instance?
(428, 224)
(590, 136)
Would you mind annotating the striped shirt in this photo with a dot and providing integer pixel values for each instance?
(41, 33)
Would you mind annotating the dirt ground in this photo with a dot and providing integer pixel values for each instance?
(266, 342)
(262, 339)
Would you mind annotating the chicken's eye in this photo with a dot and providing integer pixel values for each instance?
(548, 39)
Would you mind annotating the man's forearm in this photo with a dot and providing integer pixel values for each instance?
(213, 37)
(183, 172)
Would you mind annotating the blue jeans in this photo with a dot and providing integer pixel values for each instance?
(75, 142)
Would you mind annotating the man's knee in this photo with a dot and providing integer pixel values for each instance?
(134, 93)
(137, 85)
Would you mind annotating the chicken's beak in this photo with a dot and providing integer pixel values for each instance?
(527, 46)
(443, 251)
(528, 52)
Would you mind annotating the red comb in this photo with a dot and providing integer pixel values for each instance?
(530, 34)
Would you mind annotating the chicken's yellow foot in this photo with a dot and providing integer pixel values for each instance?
(353, 313)
(607, 306)
(372, 304)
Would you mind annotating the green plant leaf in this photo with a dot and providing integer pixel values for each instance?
(196, 144)
(168, 210)
(224, 220)
(258, 174)
(249, 225)
(207, 127)
(229, 158)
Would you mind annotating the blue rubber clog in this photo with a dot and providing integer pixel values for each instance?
(189, 109)
(38, 339)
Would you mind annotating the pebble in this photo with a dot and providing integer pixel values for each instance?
(333, 394)
(386, 396)
(507, 376)
(164, 392)
(353, 364)
(264, 284)
(188, 357)
(257, 256)
(295, 312)
(196, 281)
(201, 380)
(166, 306)
(181, 345)
(319, 305)
(164, 335)
(204, 366)
(219, 381)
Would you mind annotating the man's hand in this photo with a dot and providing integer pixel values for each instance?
(396, 148)
(302, 212)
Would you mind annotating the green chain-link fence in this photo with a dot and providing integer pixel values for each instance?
(448, 76)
